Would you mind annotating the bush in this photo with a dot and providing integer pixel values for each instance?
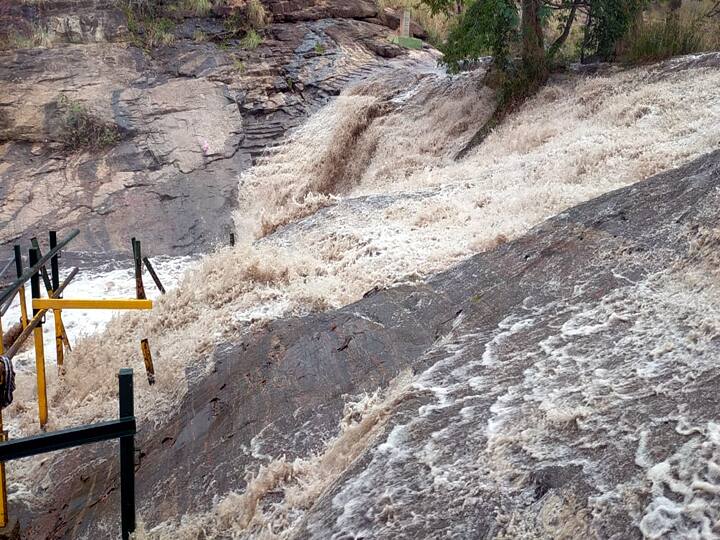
(245, 15)
(256, 14)
(19, 36)
(199, 8)
(657, 40)
(251, 41)
(80, 129)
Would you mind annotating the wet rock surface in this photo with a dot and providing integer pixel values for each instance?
(191, 116)
(563, 387)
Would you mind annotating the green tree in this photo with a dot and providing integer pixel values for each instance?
(517, 28)
(514, 33)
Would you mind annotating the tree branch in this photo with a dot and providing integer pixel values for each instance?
(560, 41)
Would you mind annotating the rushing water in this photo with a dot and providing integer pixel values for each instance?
(367, 194)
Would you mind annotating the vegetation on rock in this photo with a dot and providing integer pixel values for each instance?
(82, 130)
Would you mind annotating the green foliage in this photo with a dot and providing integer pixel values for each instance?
(319, 48)
(239, 65)
(257, 17)
(81, 130)
(24, 37)
(658, 40)
(158, 32)
(608, 22)
(252, 40)
(247, 19)
(487, 27)
(436, 25)
(147, 28)
(199, 8)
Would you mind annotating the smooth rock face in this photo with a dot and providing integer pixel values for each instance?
(191, 117)
(563, 382)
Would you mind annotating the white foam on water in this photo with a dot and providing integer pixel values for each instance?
(367, 194)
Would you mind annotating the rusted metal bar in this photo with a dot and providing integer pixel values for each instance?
(137, 257)
(37, 319)
(147, 358)
(153, 275)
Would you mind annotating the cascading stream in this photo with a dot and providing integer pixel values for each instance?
(366, 194)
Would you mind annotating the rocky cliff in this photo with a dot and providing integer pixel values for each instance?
(183, 119)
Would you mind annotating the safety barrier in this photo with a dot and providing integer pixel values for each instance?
(123, 428)
(56, 302)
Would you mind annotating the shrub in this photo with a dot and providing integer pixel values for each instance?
(80, 129)
(256, 14)
(199, 8)
(245, 15)
(199, 36)
(252, 40)
(657, 40)
(159, 32)
(23, 36)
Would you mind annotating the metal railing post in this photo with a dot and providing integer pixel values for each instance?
(127, 456)
(137, 257)
(57, 313)
(19, 272)
(39, 345)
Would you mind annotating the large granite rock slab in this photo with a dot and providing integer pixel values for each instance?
(564, 386)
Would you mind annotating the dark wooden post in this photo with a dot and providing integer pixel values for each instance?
(153, 275)
(137, 256)
(127, 456)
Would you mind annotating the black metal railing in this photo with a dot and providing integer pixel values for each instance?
(123, 428)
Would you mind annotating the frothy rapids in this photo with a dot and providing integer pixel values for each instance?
(367, 194)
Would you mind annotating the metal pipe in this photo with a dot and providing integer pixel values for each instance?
(54, 266)
(21, 291)
(5, 268)
(43, 270)
(37, 319)
(10, 291)
(127, 456)
(153, 275)
(39, 345)
(49, 287)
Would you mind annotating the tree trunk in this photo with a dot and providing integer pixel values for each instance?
(533, 43)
